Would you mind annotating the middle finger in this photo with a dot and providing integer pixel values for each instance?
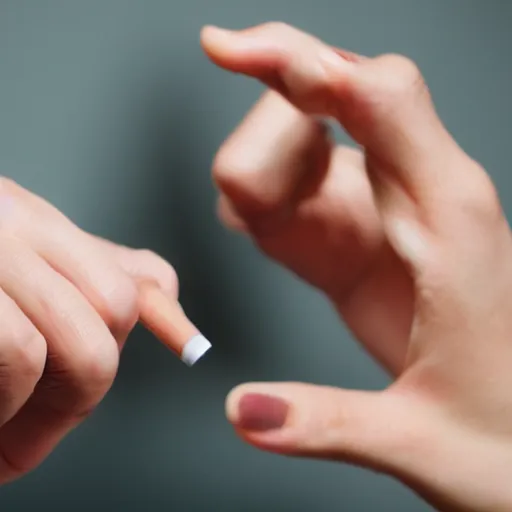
(265, 164)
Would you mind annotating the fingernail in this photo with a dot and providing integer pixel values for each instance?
(195, 349)
(258, 412)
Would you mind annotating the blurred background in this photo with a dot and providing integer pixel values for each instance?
(109, 109)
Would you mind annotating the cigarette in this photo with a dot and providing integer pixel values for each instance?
(165, 318)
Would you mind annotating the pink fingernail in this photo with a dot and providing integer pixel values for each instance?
(258, 412)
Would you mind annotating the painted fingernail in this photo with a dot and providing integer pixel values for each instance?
(258, 412)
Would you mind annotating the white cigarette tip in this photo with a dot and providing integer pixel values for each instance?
(195, 348)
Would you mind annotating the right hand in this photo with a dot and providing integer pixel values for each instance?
(68, 301)
(309, 204)
(408, 239)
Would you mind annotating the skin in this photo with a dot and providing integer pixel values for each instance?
(68, 301)
(405, 235)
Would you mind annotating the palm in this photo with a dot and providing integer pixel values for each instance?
(334, 240)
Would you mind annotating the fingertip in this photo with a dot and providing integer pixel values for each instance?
(213, 30)
(206, 33)
(257, 407)
(228, 216)
(233, 399)
(239, 51)
(230, 406)
(215, 40)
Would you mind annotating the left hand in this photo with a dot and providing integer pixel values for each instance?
(68, 301)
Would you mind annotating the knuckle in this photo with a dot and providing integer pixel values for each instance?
(241, 181)
(8, 186)
(78, 381)
(400, 78)
(13, 210)
(26, 352)
(479, 200)
(118, 307)
(228, 170)
(168, 276)
(148, 255)
(95, 370)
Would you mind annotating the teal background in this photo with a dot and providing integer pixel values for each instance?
(110, 110)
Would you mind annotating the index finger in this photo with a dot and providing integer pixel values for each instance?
(165, 318)
(159, 309)
(383, 103)
(263, 167)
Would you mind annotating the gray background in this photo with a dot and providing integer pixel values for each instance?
(109, 109)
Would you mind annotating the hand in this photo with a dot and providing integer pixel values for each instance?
(68, 301)
(406, 237)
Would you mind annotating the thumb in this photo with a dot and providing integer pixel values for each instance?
(370, 429)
